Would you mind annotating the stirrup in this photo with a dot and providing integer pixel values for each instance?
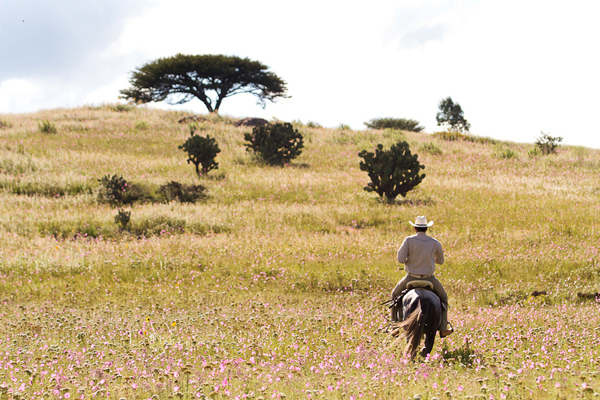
(449, 331)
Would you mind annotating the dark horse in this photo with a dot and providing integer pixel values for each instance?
(422, 316)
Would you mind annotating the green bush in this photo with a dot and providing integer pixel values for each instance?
(548, 144)
(201, 151)
(47, 127)
(116, 190)
(457, 136)
(450, 136)
(430, 148)
(158, 226)
(182, 192)
(313, 124)
(464, 355)
(45, 189)
(401, 124)
(344, 127)
(393, 172)
(534, 152)
(69, 229)
(122, 218)
(277, 144)
(504, 152)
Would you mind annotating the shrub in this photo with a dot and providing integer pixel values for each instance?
(534, 152)
(122, 218)
(393, 172)
(312, 124)
(456, 136)
(182, 192)
(452, 116)
(450, 136)
(505, 152)
(548, 144)
(46, 127)
(464, 355)
(45, 189)
(401, 124)
(201, 151)
(68, 229)
(275, 143)
(116, 190)
(431, 148)
(158, 226)
(344, 127)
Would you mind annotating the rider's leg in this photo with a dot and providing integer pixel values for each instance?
(437, 286)
(397, 312)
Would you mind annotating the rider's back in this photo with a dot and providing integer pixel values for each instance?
(419, 253)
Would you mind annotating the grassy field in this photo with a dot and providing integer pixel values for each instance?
(269, 287)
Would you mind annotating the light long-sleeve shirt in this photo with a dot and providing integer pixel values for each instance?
(419, 254)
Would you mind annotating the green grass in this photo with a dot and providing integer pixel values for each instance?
(305, 239)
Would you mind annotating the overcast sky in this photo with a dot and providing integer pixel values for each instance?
(515, 67)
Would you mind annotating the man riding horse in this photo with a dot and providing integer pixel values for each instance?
(419, 254)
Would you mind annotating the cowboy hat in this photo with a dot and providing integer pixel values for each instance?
(421, 222)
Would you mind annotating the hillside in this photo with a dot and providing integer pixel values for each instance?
(305, 234)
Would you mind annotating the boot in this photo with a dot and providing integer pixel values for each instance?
(444, 330)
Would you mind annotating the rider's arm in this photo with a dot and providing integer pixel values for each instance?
(403, 252)
(439, 254)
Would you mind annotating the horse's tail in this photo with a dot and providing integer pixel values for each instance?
(414, 326)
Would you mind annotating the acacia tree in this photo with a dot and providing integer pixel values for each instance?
(451, 115)
(210, 78)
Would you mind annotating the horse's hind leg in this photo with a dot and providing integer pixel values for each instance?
(429, 341)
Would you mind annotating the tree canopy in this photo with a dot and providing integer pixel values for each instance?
(210, 78)
(451, 115)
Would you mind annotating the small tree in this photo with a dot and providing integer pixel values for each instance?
(548, 144)
(275, 143)
(395, 123)
(201, 151)
(393, 172)
(451, 115)
(209, 78)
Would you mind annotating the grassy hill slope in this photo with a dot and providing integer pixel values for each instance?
(305, 238)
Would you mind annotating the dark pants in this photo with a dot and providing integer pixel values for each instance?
(437, 286)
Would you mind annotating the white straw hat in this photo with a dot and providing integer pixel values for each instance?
(421, 222)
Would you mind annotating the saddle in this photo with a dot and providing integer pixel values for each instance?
(397, 302)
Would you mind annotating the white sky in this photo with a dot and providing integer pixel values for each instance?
(515, 67)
